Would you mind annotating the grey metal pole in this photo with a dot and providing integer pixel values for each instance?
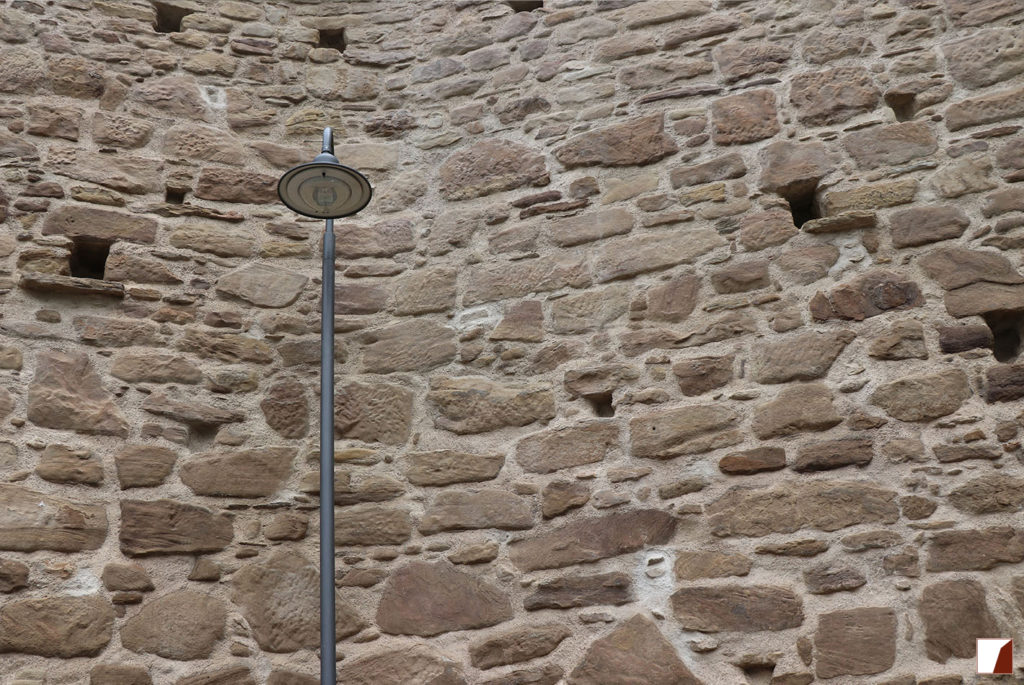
(328, 655)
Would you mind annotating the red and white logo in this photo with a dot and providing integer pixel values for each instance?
(995, 655)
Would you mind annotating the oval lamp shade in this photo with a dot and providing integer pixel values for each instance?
(324, 190)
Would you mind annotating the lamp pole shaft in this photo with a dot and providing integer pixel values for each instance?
(328, 655)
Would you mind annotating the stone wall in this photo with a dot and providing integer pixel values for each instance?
(677, 345)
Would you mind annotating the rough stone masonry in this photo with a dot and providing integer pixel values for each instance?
(680, 344)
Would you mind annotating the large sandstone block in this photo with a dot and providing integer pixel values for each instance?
(257, 472)
(31, 521)
(636, 650)
(955, 613)
(893, 144)
(833, 96)
(407, 665)
(428, 599)
(233, 185)
(472, 404)
(417, 345)
(975, 550)
(66, 393)
(520, 644)
(563, 448)
(985, 109)
(127, 173)
(823, 505)
(373, 412)
(923, 397)
(80, 221)
(263, 285)
(745, 608)
(855, 642)
(280, 599)
(56, 626)
(182, 625)
(798, 357)
(797, 409)
(372, 524)
(491, 166)
(567, 592)
(636, 142)
(475, 509)
(684, 430)
(593, 538)
(445, 467)
(169, 527)
(634, 255)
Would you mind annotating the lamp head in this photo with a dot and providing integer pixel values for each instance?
(324, 188)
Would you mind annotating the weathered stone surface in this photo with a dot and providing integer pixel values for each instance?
(164, 404)
(951, 453)
(696, 565)
(474, 509)
(981, 298)
(891, 145)
(111, 332)
(490, 166)
(1004, 383)
(636, 142)
(589, 227)
(846, 221)
(789, 168)
(523, 321)
(428, 599)
(214, 240)
(138, 269)
(955, 267)
(829, 578)
(76, 221)
(154, 367)
(233, 185)
(168, 527)
(593, 538)
(174, 95)
(744, 118)
(409, 665)
(280, 597)
(120, 131)
(417, 345)
(182, 625)
(673, 300)
(445, 467)
(32, 521)
(636, 650)
(202, 142)
(227, 347)
(719, 169)
(753, 461)
(870, 196)
(796, 409)
(426, 290)
(824, 505)
(376, 412)
(799, 357)
(119, 674)
(371, 524)
(13, 576)
(955, 614)
(563, 448)
(574, 591)
(974, 550)
(67, 394)
(766, 229)
(741, 277)
(989, 494)
(685, 430)
(922, 225)
(905, 340)
(286, 408)
(143, 466)
(634, 255)
(263, 285)
(520, 644)
(126, 173)
(834, 95)
(833, 454)
(128, 577)
(61, 464)
(867, 295)
(474, 404)
(501, 280)
(383, 239)
(923, 397)
(985, 109)
(57, 626)
(559, 496)
(701, 374)
(744, 608)
(76, 77)
(855, 642)
(741, 60)
(257, 472)
(233, 675)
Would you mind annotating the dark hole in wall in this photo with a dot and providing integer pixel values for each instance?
(902, 105)
(803, 203)
(174, 196)
(525, 5)
(332, 38)
(601, 404)
(168, 17)
(1007, 329)
(759, 675)
(89, 258)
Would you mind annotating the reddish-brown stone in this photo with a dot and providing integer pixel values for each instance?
(743, 608)
(639, 141)
(855, 642)
(636, 650)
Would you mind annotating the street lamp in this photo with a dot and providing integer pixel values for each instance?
(326, 189)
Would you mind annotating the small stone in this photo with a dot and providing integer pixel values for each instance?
(686, 430)
(762, 230)
(475, 509)
(142, 466)
(476, 405)
(702, 374)
(904, 341)
(794, 548)
(61, 464)
(118, 674)
(375, 412)
(696, 565)
(741, 60)
(561, 448)
(827, 578)
(1004, 383)
(249, 473)
(753, 461)
(521, 644)
(13, 576)
(559, 496)
(445, 467)
(923, 397)
(890, 145)
(833, 454)
(718, 169)
(796, 409)
(922, 225)
(800, 357)
(372, 524)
